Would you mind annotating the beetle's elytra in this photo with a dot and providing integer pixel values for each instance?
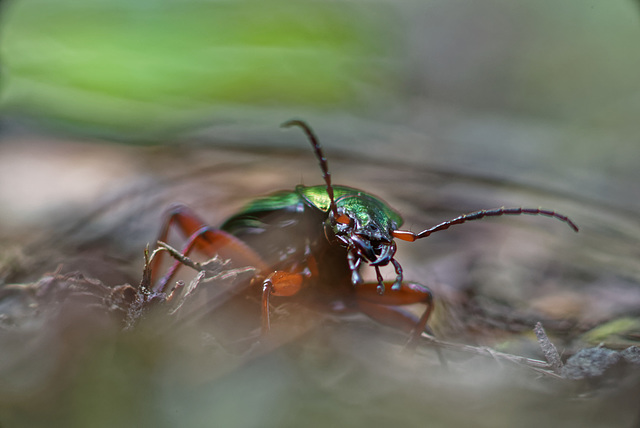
(311, 242)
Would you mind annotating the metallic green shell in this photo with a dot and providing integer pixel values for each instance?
(360, 204)
(284, 199)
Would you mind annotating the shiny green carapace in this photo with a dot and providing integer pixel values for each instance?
(364, 207)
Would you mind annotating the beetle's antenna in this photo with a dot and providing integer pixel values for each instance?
(410, 236)
(320, 155)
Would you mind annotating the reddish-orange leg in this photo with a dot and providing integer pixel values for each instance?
(385, 309)
(211, 242)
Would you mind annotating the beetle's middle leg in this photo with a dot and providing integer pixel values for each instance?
(385, 308)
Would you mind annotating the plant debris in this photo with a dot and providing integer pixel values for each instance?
(591, 363)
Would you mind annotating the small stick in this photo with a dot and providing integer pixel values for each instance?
(179, 256)
(539, 366)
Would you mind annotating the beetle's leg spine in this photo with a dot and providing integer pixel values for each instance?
(267, 287)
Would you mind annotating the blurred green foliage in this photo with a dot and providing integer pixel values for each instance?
(149, 66)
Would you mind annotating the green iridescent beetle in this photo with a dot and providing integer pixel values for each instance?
(312, 242)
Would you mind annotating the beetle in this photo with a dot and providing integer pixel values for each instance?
(311, 242)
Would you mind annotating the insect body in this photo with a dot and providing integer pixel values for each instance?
(313, 241)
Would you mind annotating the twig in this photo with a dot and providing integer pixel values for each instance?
(179, 256)
(539, 366)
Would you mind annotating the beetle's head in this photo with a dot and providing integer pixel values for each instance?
(363, 224)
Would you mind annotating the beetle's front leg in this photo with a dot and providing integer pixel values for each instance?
(385, 309)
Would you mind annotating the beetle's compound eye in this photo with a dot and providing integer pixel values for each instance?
(343, 219)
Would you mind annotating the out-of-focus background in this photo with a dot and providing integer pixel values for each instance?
(111, 110)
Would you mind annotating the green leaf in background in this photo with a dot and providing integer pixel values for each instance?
(149, 66)
(619, 333)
